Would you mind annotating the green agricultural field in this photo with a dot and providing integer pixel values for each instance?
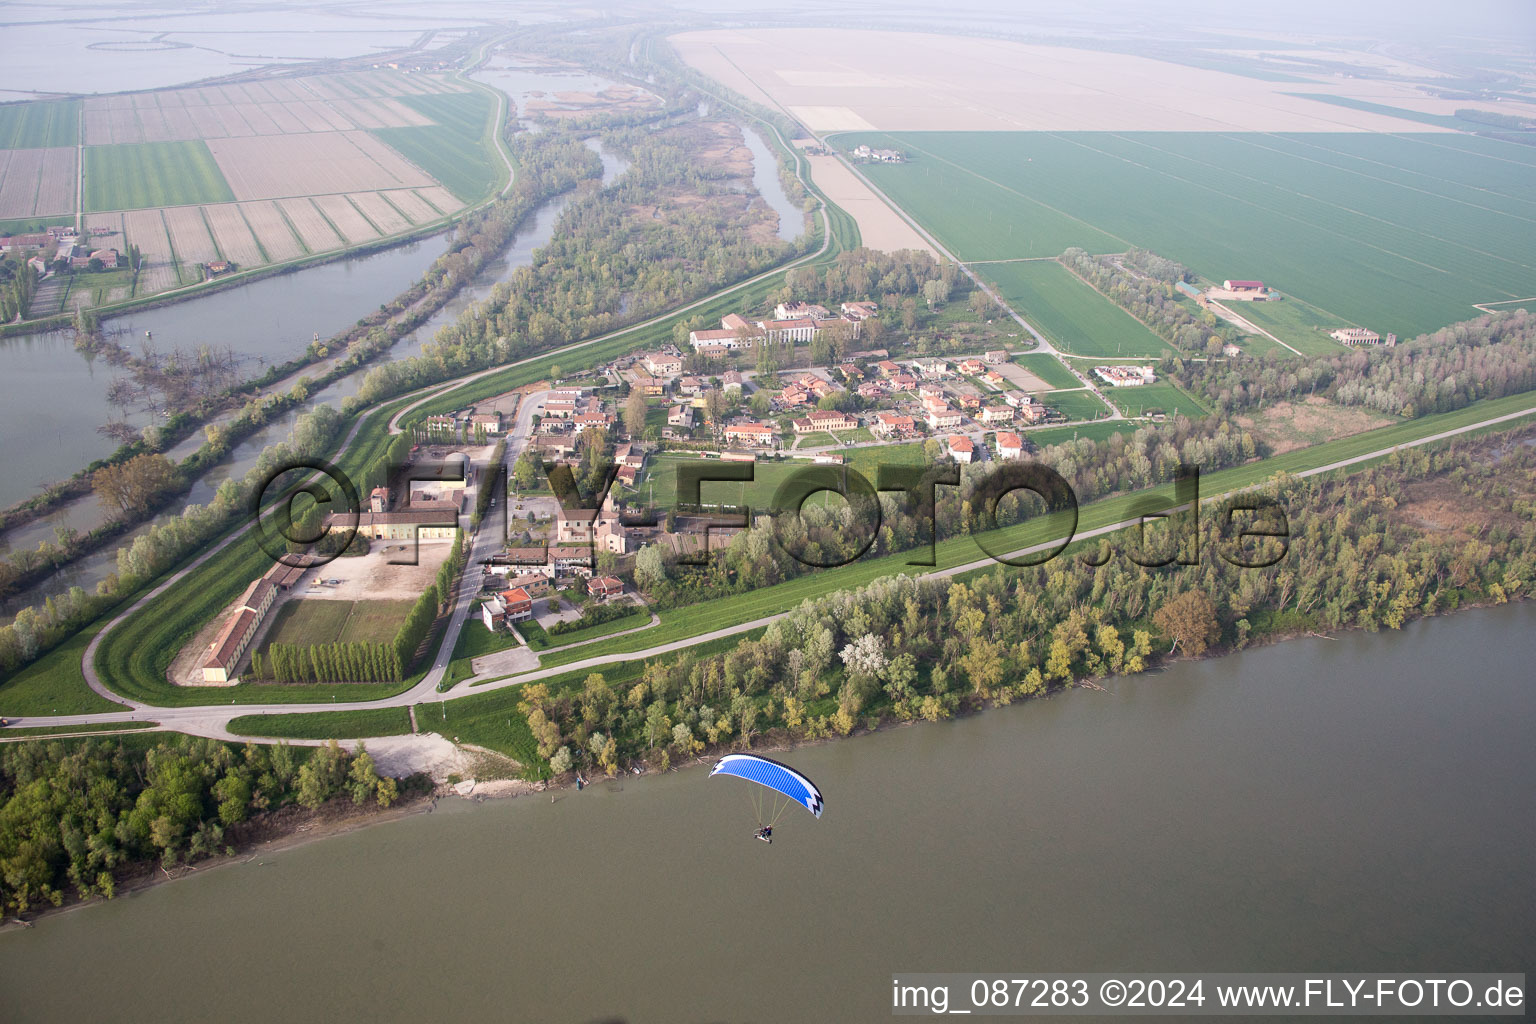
(305, 622)
(1049, 369)
(139, 175)
(457, 149)
(1072, 314)
(29, 225)
(39, 125)
(1086, 432)
(1294, 322)
(1162, 396)
(1398, 233)
(1077, 405)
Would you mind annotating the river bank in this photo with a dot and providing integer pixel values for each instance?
(1329, 790)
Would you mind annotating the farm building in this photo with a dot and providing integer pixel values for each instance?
(1360, 336)
(227, 648)
(1125, 376)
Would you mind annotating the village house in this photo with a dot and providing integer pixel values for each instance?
(931, 366)
(943, 418)
(493, 614)
(972, 366)
(871, 389)
(731, 382)
(994, 380)
(644, 383)
(759, 435)
(560, 408)
(1018, 399)
(517, 604)
(717, 342)
(661, 364)
(605, 587)
(490, 421)
(996, 357)
(888, 368)
(859, 310)
(970, 403)
(1009, 445)
(961, 449)
(890, 424)
(997, 414)
(680, 416)
(825, 420)
(689, 385)
(1033, 413)
(534, 584)
(902, 382)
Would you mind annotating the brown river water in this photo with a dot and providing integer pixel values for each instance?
(1365, 803)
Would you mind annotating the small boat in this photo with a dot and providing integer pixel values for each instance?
(147, 334)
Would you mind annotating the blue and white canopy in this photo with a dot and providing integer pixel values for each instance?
(775, 776)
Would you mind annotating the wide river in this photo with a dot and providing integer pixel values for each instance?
(1365, 803)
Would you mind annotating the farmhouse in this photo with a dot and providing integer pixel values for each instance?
(1356, 336)
(490, 421)
(1125, 376)
(996, 357)
(225, 651)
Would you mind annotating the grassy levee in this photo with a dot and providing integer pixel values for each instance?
(45, 731)
(680, 623)
(54, 684)
(325, 725)
(140, 175)
(639, 617)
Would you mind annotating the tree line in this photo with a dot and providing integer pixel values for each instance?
(902, 648)
(75, 817)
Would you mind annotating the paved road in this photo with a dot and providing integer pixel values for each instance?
(213, 720)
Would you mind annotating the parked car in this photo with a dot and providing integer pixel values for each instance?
(333, 582)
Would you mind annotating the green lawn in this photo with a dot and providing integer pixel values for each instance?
(1088, 431)
(1294, 322)
(456, 150)
(1072, 314)
(766, 479)
(1049, 369)
(1162, 396)
(41, 125)
(541, 640)
(324, 725)
(1077, 405)
(312, 621)
(1398, 233)
(138, 175)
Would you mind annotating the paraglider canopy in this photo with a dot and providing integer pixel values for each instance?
(771, 774)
